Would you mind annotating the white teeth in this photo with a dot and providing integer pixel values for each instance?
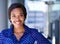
(17, 22)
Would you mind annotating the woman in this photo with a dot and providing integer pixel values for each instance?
(19, 33)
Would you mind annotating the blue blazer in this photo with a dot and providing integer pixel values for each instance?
(4, 40)
(30, 36)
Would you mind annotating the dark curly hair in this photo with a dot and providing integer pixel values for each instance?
(17, 5)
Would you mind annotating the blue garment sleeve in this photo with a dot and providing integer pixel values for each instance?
(1, 38)
(40, 38)
(4, 40)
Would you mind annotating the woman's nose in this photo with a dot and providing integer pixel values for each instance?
(17, 18)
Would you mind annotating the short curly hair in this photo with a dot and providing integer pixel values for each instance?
(17, 5)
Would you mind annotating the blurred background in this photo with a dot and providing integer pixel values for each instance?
(43, 15)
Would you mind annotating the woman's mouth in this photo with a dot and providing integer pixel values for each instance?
(18, 22)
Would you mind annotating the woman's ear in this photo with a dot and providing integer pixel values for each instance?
(10, 20)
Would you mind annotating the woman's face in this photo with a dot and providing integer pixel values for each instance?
(17, 17)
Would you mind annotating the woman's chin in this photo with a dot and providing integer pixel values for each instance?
(18, 25)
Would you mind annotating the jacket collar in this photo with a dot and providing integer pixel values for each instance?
(27, 30)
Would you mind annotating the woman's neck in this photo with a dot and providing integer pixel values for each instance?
(19, 29)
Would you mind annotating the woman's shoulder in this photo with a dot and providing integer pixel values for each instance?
(5, 32)
(4, 40)
(33, 30)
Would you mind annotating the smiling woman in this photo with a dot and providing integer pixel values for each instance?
(19, 33)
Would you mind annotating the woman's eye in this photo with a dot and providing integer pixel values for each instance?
(13, 16)
(21, 15)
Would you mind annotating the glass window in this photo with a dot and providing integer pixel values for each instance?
(37, 15)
